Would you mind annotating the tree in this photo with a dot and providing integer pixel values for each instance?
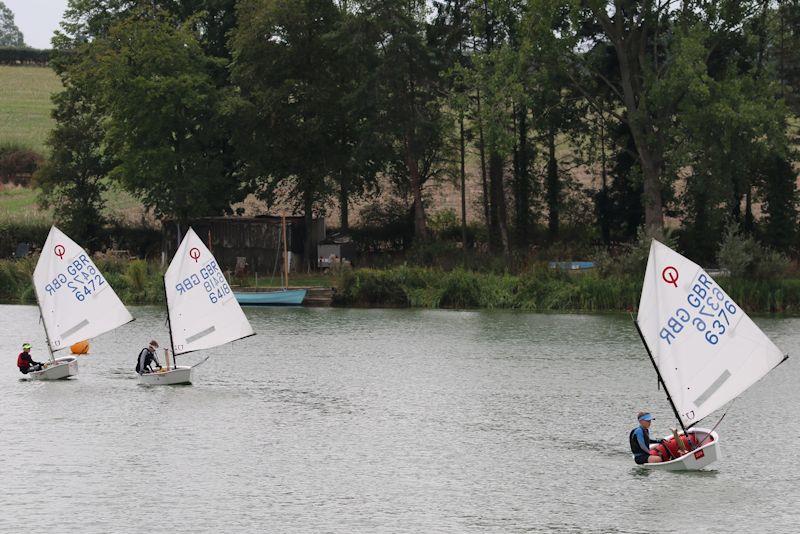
(73, 180)
(165, 122)
(9, 33)
(287, 70)
(410, 90)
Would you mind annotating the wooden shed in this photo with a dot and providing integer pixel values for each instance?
(252, 243)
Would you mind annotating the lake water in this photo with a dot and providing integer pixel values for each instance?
(334, 420)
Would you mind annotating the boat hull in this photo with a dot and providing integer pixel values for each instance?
(173, 377)
(695, 460)
(284, 297)
(60, 369)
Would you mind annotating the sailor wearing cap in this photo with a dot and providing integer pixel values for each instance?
(640, 441)
(25, 362)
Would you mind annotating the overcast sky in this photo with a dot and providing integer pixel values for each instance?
(37, 19)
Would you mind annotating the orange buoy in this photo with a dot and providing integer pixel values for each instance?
(81, 347)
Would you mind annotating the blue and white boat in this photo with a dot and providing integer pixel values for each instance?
(277, 297)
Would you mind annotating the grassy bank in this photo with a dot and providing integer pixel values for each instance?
(539, 290)
(25, 105)
(136, 282)
(140, 282)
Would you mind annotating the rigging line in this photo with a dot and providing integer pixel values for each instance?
(715, 426)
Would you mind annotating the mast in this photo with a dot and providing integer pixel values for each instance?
(44, 324)
(658, 373)
(285, 253)
(169, 328)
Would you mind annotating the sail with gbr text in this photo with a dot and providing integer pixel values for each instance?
(203, 311)
(707, 350)
(76, 300)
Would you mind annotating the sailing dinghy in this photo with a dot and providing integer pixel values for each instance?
(202, 311)
(75, 302)
(705, 349)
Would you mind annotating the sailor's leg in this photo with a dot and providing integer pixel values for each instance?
(654, 459)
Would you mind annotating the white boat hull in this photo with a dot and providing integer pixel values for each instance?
(59, 369)
(175, 376)
(695, 460)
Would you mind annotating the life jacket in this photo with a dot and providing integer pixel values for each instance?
(635, 447)
(22, 363)
(142, 360)
(669, 449)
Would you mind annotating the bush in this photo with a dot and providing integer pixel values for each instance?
(13, 55)
(12, 233)
(742, 256)
(17, 164)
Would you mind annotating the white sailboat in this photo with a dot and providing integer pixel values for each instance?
(201, 310)
(705, 349)
(75, 302)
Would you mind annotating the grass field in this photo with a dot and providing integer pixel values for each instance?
(25, 105)
(19, 205)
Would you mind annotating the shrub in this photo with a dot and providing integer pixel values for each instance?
(17, 164)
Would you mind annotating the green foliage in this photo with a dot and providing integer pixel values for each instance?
(164, 126)
(743, 257)
(13, 233)
(73, 181)
(9, 33)
(12, 55)
(18, 163)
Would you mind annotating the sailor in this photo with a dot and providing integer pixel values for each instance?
(25, 362)
(146, 358)
(640, 441)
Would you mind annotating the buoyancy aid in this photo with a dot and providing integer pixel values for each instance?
(636, 448)
(668, 450)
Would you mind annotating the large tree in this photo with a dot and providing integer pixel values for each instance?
(290, 88)
(165, 123)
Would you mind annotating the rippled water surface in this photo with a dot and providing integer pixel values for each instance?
(337, 420)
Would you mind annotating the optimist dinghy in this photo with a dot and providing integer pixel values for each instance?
(75, 302)
(705, 350)
(202, 311)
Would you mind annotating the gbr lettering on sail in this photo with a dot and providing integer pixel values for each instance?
(708, 310)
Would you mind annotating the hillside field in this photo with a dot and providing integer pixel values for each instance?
(25, 105)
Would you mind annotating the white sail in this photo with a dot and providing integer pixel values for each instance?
(203, 312)
(77, 302)
(706, 348)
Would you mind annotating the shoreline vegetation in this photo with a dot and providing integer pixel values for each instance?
(541, 289)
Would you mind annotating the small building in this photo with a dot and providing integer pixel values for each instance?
(247, 244)
(335, 249)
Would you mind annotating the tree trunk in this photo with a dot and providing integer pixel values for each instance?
(553, 184)
(482, 151)
(498, 234)
(344, 198)
(602, 204)
(522, 190)
(639, 123)
(308, 207)
(420, 230)
(462, 170)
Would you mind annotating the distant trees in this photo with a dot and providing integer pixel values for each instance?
(685, 112)
(9, 33)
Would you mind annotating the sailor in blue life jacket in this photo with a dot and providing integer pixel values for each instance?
(25, 362)
(146, 358)
(640, 441)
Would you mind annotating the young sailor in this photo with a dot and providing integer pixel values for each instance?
(25, 362)
(146, 358)
(640, 441)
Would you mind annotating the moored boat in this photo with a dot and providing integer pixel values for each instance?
(277, 297)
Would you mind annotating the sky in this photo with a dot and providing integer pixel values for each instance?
(37, 19)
